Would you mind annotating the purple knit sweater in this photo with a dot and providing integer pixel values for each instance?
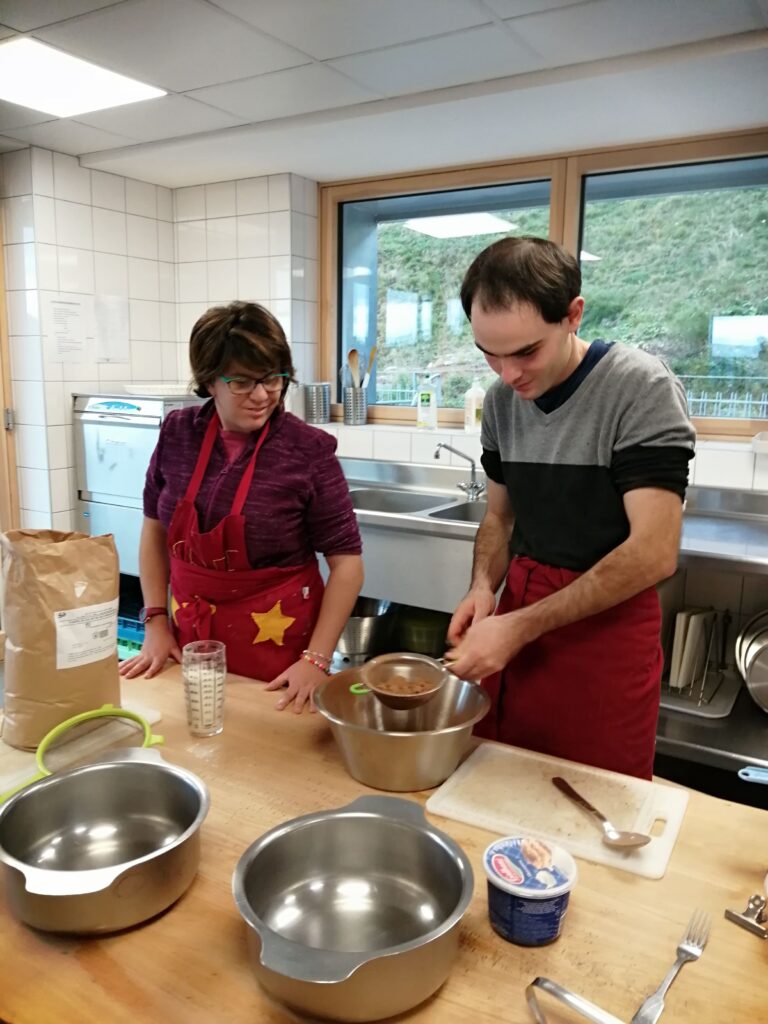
(298, 502)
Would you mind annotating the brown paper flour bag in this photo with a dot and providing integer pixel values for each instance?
(59, 611)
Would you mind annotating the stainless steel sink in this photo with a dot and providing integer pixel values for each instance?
(380, 499)
(467, 512)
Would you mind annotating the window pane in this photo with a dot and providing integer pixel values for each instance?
(674, 261)
(402, 263)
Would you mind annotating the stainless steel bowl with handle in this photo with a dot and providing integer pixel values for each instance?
(353, 914)
(104, 846)
(401, 751)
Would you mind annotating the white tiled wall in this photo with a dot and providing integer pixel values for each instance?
(256, 239)
(69, 229)
(172, 255)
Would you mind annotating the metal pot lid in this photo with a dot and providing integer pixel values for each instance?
(756, 640)
(757, 676)
(745, 636)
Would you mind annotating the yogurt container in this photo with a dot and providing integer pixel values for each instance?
(529, 885)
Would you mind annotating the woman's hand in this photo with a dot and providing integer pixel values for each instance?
(159, 645)
(300, 680)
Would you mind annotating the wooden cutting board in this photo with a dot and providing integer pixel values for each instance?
(509, 791)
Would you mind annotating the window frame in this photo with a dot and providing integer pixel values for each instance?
(566, 173)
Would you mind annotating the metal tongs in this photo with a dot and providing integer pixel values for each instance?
(578, 1003)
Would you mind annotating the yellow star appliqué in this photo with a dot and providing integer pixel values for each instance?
(271, 625)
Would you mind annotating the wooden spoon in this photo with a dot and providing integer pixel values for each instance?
(367, 376)
(353, 362)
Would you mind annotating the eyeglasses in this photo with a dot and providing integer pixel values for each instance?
(245, 385)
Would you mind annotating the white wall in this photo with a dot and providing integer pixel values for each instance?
(172, 255)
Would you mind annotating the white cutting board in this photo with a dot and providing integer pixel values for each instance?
(16, 766)
(509, 791)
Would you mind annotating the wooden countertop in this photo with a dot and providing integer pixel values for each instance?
(190, 965)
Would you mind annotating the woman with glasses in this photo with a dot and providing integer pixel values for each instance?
(239, 496)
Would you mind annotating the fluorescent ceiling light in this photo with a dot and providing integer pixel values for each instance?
(587, 257)
(37, 76)
(459, 225)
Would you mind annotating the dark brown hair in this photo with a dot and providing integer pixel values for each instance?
(528, 271)
(244, 333)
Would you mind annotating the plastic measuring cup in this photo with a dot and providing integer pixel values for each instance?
(204, 667)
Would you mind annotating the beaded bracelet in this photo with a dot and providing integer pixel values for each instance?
(318, 655)
(307, 656)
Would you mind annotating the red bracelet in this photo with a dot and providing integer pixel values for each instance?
(146, 614)
(313, 661)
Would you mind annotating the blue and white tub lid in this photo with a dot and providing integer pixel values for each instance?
(531, 867)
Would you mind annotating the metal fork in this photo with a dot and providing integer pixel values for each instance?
(690, 948)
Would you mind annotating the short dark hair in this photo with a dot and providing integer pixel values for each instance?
(526, 271)
(244, 333)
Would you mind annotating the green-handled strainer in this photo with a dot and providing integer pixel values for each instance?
(107, 711)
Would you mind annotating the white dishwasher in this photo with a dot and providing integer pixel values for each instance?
(115, 435)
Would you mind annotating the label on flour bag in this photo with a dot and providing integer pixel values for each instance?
(85, 635)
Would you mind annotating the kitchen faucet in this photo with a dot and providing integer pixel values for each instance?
(473, 489)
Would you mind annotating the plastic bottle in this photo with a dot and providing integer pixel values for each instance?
(473, 407)
(426, 407)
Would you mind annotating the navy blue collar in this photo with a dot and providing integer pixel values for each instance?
(560, 393)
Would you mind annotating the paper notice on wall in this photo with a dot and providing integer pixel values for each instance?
(111, 316)
(67, 327)
(85, 635)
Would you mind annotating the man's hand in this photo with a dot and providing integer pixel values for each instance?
(489, 644)
(478, 604)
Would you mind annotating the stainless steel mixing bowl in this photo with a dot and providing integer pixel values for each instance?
(401, 751)
(104, 846)
(354, 913)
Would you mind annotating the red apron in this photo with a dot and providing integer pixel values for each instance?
(587, 692)
(264, 616)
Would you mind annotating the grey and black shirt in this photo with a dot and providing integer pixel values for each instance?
(619, 422)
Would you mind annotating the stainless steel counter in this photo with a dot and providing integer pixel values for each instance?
(727, 743)
(719, 526)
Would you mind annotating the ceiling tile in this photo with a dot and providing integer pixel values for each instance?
(162, 118)
(610, 28)
(14, 116)
(176, 44)
(8, 145)
(334, 28)
(5, 32)
(283, 93)
(70, 137)
(472, 56)
(515, 8)
(24, 15)
(711, 94)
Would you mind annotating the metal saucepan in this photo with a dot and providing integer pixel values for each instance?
(103, 846)
(353, 914)
(401, 751)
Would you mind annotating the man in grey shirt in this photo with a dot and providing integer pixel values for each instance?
(586, 450)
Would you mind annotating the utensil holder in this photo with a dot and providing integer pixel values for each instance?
(355, 406)
(317, 402)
